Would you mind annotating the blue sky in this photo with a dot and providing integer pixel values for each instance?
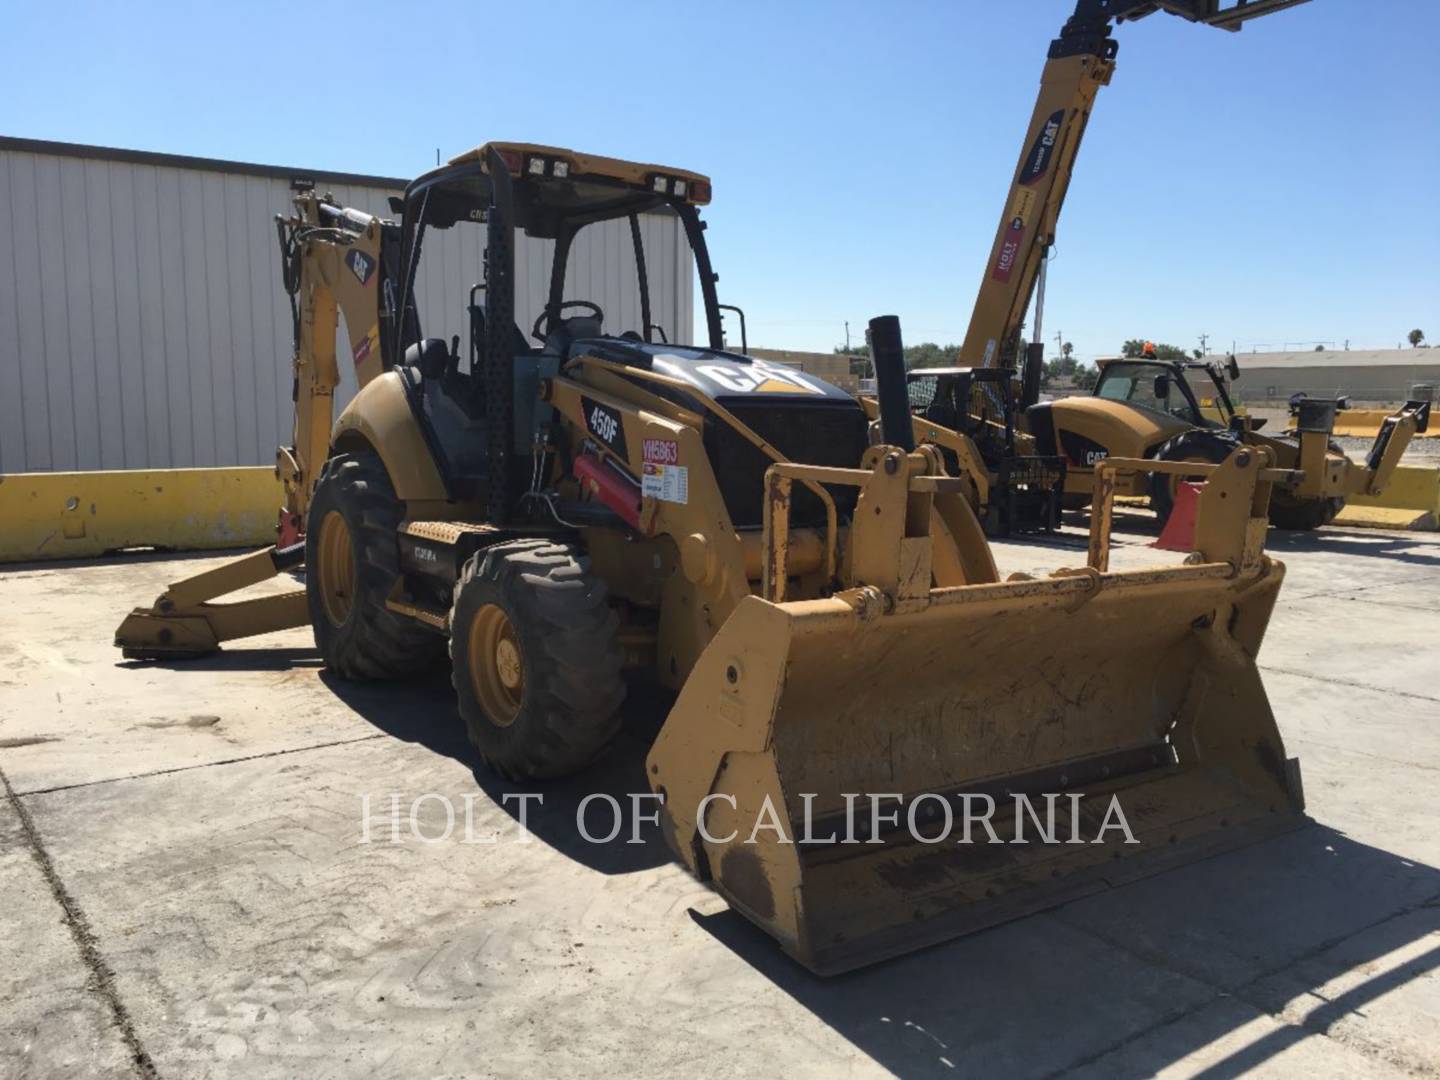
(1277, 185)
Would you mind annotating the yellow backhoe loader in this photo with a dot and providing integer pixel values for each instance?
(1147, 408)
(826, 607)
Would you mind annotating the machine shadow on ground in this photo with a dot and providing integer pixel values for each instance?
(1417, 550)
(1136, 528)
(424, 712)
(235, 658)
(1231, 937)
(1235, 936)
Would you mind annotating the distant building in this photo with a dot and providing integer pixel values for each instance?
(143, 323)
(1383, 376)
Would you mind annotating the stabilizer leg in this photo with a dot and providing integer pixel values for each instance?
(183, 622)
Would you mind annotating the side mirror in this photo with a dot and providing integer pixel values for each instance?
(1162, 387)
(1232, 368)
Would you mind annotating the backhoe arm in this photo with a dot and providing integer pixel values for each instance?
(330, 259)
(1080, 61)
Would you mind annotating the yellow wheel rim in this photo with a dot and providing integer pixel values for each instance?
(337, 568)
(497, 669)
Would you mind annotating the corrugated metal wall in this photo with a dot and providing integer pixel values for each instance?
(143, 323)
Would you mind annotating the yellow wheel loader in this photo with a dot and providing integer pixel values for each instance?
(1147, 408)
(556, 509)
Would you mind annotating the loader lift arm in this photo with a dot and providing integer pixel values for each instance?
(1079, 62)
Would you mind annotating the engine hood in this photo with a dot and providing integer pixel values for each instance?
(724, 376)
(1121, 428)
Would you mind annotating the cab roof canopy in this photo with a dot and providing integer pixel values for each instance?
(554, 188)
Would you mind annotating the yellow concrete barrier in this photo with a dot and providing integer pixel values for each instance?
(68, 515)
(1365, 424)
(1210, 409)
(1410, 501)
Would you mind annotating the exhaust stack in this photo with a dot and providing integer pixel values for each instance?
(887, 353)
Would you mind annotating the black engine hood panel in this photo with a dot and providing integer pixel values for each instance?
(725, 376)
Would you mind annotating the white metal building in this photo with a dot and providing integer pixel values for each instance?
(142, 319)
(1370, 375)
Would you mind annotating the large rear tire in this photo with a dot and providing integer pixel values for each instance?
(1302, 515)
(1204, 447)
(352, 559)
(536, 658)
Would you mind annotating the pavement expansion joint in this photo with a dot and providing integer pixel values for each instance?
(102, 976)
(203, 765)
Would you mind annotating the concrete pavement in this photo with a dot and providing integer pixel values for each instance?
(185, 888)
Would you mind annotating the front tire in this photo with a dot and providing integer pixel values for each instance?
(1203, 447)
(352, 560)
(536, 659)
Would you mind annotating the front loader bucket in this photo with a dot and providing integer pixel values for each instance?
(1140, 685)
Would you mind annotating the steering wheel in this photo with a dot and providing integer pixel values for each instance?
(543, 320)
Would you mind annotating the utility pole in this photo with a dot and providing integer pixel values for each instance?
(847, 335)
(1204, 350)
(1059, 344)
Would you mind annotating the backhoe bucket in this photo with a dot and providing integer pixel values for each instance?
(183, 622)
(802, 719)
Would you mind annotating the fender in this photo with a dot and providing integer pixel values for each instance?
(379, 418)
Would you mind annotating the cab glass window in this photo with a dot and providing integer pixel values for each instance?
(1144, 386)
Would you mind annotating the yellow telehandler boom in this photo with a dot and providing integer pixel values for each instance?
(1079, 62)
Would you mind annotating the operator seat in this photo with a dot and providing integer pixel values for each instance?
(942, 412)
(429, 356)
(566, 332)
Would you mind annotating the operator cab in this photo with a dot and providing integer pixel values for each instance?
(1154, 385)
(972, 401)
(479, 404)
(979, 403)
